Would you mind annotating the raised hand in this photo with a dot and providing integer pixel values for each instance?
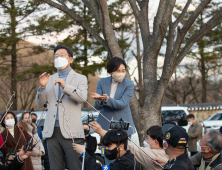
(60, 82)
(24, 155)
(97, 128)
(43, 79)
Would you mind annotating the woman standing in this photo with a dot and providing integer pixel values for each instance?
(113, 95)
(38, 150)
(14, 138)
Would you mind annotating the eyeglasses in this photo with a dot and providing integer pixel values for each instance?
(60, 55)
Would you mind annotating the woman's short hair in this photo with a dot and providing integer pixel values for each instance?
(114, 63)
(9, 112)
(155, 132)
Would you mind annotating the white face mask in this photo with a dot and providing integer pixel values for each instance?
(150, 144)
(199, 147)
(190, 123)
(61, 63)
(10, 122)
(163, 144)
(118, 77)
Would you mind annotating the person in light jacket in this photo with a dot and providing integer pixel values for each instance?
(38, 150)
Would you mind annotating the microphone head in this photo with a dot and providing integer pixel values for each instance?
(45, 105)
(32, 110)
(14, 94)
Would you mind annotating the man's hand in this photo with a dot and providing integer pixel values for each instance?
(97, 128)
(97, 96)
(162, 162)
(43, 79)
(60, 82)
(78, 148)
(23, 155)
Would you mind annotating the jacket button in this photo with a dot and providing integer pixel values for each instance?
(55, 104)
(54, 116)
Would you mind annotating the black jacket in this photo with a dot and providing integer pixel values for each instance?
(14, 165)
(125, 162)
(180, 163)
(91, 145)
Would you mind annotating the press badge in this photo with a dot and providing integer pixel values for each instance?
(105, 167)
(103, 151)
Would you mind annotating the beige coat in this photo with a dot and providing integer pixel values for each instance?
(194, 133)
(71, 102)
(144, 160)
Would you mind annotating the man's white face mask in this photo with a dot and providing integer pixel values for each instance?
(61, 63)
(199, 147)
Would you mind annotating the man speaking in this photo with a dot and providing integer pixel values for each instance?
(64, 109)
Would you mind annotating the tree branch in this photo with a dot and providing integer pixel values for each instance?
(199, 34)
(194, 15)
(79, 20)
(109, 34)
(182, 13)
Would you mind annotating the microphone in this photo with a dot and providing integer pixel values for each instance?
(31, 110)
(59, 101)
(14, 94)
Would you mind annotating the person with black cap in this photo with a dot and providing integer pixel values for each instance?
(174, 144)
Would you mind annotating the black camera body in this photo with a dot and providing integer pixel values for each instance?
(9, 157)
(90, 118)
(119, 125)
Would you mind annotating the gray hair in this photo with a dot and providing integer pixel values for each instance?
(214, 140)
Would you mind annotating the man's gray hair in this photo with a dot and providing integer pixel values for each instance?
(214, 140)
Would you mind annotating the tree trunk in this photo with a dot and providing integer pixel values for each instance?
(13, 54)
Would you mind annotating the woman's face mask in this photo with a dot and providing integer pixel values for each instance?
(118, 77)
(10, 122)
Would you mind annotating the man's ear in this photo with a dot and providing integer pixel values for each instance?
(71, 59)
(208, 150)
(121, 147)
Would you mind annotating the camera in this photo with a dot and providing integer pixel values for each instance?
(90, 118)
(119, 125)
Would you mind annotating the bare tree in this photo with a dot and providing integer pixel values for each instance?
(164, 26)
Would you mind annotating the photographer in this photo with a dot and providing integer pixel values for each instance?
(17, 162)
(116, 148)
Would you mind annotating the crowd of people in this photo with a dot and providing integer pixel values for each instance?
(67, 143)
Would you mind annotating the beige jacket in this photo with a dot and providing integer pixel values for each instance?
(194, 133)
(144, 160)
(71, 102)
(36, 160)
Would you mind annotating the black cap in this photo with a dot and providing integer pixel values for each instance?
(175, 135)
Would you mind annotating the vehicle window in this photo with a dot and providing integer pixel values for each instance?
(171, 115)
(216, 117)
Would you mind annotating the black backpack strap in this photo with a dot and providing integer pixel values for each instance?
(179, 162)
